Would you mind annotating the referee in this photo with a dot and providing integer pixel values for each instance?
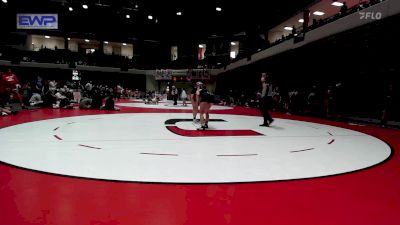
(266, 100)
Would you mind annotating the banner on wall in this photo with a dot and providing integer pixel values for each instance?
(37, 21)
(163, 74)
(198, 74)
(190, 74)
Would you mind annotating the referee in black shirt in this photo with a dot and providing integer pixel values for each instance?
(266, 100)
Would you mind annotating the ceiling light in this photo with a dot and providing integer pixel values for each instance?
(319, 13)
(179, 13)
(4, 1)
(136, 6)
(68, 39)
(106, 42)
(288, 28)
(128, 16)
(339, 4)
(150, 17)
(124, 44)
(70, 9)
(219, 9)
(85, 6)
(233, 43)
(301, 20)
(47, 37)
(201, 46)
(87, 40)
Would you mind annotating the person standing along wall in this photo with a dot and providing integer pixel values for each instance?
(174, 94)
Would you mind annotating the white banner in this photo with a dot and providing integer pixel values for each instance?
(199, 74)
(163, 74)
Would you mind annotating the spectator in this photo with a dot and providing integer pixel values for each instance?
(4, 109)
(136, 94)
(276, 99)
(231, 99)
(339, 100)
(313, 101)
(242, 99)
(38, 85)
(119, 91)
(292, 104)
(62, 100)
(294, 30)
(110, 104)
(328, 102)
(174, 94)
(97, 101)
(373, 2)
(10, 85)
(85, 103)
(76, 91)
(184, 97)
(49, 99)
(26, 93)
(89, 87)
(53, 86)
(9, 81)
(388, 105)
(343, 9)
(285, 100)
(315, 23)
(35, 100)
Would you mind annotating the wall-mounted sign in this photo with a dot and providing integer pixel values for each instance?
(37, 21)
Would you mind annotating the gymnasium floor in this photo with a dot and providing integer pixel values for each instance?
(149, 165)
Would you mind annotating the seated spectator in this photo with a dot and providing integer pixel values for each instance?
(150, 99)
(97, 100)
(86, 103)
(136, 94)
(36, 100)
(242, 99)
(38, 88)
(4, 109)
(53, 86)
(26, 92)
(61, 100)
(48, 98)
(110, 104)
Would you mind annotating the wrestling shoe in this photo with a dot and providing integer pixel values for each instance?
(202, 128)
